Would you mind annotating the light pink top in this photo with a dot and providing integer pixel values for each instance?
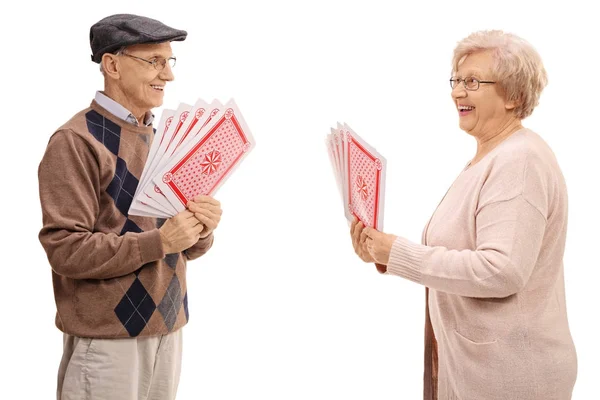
(492, 258)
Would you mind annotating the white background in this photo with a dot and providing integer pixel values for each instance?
(280, 307)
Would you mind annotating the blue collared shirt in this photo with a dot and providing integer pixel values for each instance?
(121, 112)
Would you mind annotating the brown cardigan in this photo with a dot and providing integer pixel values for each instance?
(111, 276)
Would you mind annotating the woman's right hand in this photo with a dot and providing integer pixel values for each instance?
(359, 241)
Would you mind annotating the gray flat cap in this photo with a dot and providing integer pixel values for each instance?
(113, 32)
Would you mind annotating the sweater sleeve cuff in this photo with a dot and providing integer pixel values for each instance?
(205, 242)
(150, 245)
(200, 248)
(406, 259)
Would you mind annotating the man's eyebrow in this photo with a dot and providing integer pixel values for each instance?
(157, 55)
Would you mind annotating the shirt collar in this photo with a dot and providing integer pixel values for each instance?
(121, 112)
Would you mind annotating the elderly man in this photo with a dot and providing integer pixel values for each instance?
(119, 280)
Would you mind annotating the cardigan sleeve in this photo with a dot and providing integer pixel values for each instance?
(510, 224)
(69, 185)
(509, 238)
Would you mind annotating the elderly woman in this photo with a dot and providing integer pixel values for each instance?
(492, 253)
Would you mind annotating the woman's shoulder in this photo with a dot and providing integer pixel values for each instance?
(525, 165)
(522, 149)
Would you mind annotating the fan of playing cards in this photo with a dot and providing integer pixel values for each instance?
(195, 149)
(360, 175)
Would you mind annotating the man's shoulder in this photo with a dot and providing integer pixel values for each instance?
(87, 130)
(88, 124)
(76, 124)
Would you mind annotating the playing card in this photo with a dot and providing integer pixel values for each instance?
(339, 154)
(153, 196)
(343, 135)
(147, 211)
(211, 112)
(332, 160)
(365, 180)
(334, 155)
(161, 130)
(189, 123)
(188, 131)
(204, 164)
(202, 115)
(138, 207)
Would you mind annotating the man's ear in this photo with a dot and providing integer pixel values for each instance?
(110, 65)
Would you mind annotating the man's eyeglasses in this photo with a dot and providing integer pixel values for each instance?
(469, 83)
(159, 63)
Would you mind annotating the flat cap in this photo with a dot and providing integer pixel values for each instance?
(113, 32)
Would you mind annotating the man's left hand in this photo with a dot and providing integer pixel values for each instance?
(208, 211)
(379, 245)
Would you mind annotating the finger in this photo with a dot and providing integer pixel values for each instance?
(207, 199)
(371, 248)
(195, 207)
(357, 232)
(370, 232)
(208, 203)
(185, 214)
(195, 226)
(353, 228)
(365, 255)
(199, 228)
(363, 236)
(192, 223)
(359, 228)
(209, 214)
(206, 221)
(184, 218)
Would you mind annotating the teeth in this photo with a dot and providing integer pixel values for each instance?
(465, 108)
(157, 87)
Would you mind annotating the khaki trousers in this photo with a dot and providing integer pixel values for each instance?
(145, 368)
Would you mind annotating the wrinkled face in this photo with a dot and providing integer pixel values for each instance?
(484, 111)
(141, 83)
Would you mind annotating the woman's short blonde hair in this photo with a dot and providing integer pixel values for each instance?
(518, 67)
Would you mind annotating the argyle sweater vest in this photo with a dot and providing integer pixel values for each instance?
(110, 274)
